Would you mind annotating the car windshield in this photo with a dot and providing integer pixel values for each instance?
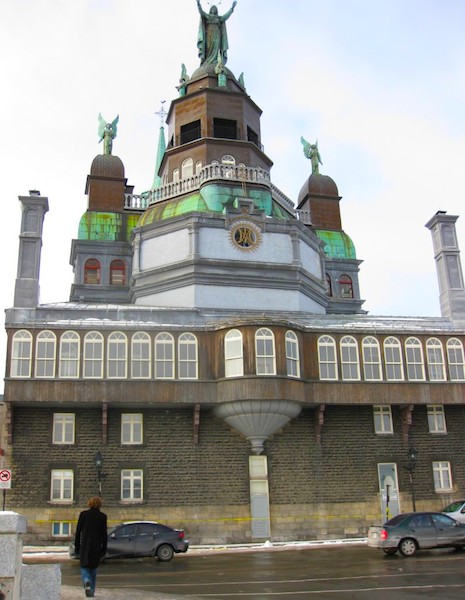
(452, 507)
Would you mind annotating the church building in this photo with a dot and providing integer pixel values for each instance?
(214, 368)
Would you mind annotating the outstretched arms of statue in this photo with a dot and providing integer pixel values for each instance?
(201, 11)
(230, 11)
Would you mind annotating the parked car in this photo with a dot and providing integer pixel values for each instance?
(143, 538)
(410, 532)
(456, 510)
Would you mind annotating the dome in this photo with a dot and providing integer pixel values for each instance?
(107, 165)
(337, 244)
(318, 185)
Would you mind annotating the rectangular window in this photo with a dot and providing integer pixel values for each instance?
(436, 419)
(252, 136)
(131, 428)
(442, 476)
(190, 132)
(383, 419)
(61, 529)
(62, 485)
(225, 129)
(63, 428)
(132, 484)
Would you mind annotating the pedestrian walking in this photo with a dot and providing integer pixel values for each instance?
(90, 542)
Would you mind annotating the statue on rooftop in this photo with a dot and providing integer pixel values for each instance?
(311, 152)
(212, 34)
(107, 132)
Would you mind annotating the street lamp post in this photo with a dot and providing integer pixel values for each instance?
(98, 462)
(412, 462)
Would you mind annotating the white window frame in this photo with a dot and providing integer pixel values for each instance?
(187, 356)
(62, 486)
(21, 354)
(455, 359)
(435, 360)
(292, 354)
(436, 418)
(350, 363)
(64, 427)
(141, 356)
(233, 354)
(61, 529)
(164, 356)
(414, 359)
(70, 346)
(394, 364)
(93, 356)
(327, 358)
(187, 168)
(371, 359)
(442, 476)
(117, 355)
(132, 429)
(45, 359)
(382, 417)
(265, 354)
(132, 485)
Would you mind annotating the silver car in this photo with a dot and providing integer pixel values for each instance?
(410, 532)
(456, 510)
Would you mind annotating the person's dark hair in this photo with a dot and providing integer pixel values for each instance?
(93, 502)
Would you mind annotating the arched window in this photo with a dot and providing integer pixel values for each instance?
(371, 359)
(164, 356)
(92, 272)
(327, 358)
(228, 160)
(198, 167)
(448, 237)
(435, 360)
(45, 354)
(187, 356)
(117, 355)
(414, 358)
(345, 287)
(21, 354)
(140, 356)
(350, 367)
(93, 355)
(393, 359)
(292, 355)
(117, 272)
(187, 168)
(233, 354)
(265, 357)
(175, 175)
(69, 354)
(456, 361)
(329, 286)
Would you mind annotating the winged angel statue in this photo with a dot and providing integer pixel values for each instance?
(107, 132)
(311, 152)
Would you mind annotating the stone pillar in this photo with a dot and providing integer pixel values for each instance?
(11, 550)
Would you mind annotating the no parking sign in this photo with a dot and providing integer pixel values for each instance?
(5, 479)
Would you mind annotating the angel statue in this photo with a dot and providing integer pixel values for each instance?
(311, 152)
(212, 34)
(107, 132)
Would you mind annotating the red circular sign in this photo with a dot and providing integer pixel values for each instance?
(5, 475)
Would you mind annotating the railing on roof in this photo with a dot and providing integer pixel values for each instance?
(214, 171)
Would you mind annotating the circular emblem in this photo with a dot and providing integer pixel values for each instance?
(246, 235)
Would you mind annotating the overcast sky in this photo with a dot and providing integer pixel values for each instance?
(379, 83)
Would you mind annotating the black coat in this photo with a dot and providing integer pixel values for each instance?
(90, 541)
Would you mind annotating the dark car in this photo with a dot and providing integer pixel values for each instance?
(410, 532)
(144, 538)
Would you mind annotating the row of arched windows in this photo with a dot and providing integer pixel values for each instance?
(395, 362)
(92, 272)
(139, 357)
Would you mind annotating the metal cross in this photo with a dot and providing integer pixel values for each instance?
(162, 113)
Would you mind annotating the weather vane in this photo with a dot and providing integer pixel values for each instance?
(162, 113)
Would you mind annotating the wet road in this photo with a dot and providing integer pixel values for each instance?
(329, 572)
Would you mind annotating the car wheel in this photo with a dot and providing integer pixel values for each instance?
(165, 552)
(408, 547)
(390, 550)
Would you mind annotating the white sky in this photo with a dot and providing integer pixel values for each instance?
(379, 83)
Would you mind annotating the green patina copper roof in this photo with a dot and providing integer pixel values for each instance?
(212, 198)
(337, 244)
(107, 226)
